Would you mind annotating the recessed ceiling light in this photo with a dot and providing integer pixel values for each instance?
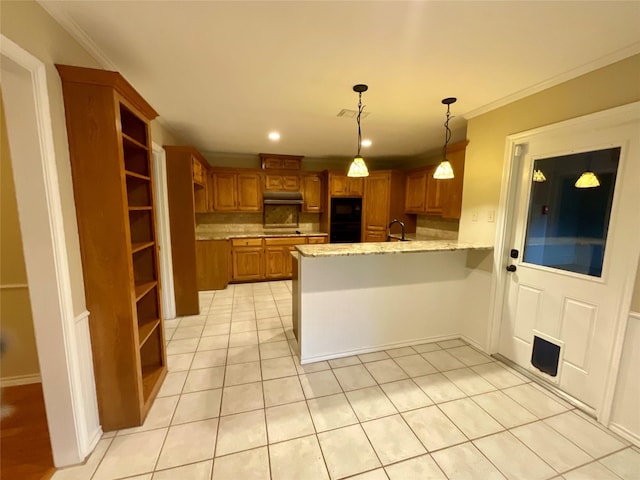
(275, 136)
(366, 143)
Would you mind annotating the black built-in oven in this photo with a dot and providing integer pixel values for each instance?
(346, 220)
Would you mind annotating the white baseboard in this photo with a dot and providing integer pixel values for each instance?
(378, 348)
(625, 433)
(20, 380)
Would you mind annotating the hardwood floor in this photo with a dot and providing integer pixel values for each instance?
(25, 448)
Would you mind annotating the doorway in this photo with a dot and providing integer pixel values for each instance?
(569, 252)
(62, 336)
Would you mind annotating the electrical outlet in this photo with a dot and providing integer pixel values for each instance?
(474, 215)
(491, 216)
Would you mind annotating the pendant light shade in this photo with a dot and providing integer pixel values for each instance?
(358, 168)
(588, 179)
(445, 170)
(538, 176)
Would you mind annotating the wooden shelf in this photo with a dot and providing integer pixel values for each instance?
(137, 247)
(136, 175)
(132, 141)
(144, 288)
(145, 330)
(112, 164)
(150, 377)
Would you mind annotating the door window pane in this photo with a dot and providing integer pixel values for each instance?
(569, 211)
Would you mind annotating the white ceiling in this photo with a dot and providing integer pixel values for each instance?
(222, 74)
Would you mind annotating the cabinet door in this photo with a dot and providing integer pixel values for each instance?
(452, 204)
(376, 204)
(312, 193)
(249, 193)
(273, 182)
(434, 193)
(338, 185)
(375, 234)
(275, 262)
(224, 192)
(416, 192)
(291, 183)
(355, 186)
(247, 263)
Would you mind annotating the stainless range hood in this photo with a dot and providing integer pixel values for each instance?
(282, 198)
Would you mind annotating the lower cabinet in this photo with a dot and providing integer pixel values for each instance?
(278, 256)
(247, 259)
(211, 264)
(267, 258)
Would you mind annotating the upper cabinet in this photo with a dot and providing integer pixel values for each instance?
(427, 195)
(312, 193)
(235, 192)
(383, 201)
(271, 161)
(342, 186)
(281, 182)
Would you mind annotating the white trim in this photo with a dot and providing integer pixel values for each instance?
(69, 397)
(164, 231)
(625, 433)
(382, 347)
(83, 316)
(601, 62)
(60, 15)
(20, 380)
(623, 114)
(14, 286)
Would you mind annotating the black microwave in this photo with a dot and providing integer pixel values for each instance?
(346, 209)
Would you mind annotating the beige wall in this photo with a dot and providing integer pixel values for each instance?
(21, 358)
(611, 86)
(32, 28)
(635, 303)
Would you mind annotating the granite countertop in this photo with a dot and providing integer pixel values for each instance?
(263, 234)
(378, 248)
(413, 237)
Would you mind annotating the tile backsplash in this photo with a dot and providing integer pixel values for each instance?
(242, 223)
(441, 228)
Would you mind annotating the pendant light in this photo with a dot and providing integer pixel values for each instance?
(358, 168)
(538, 176)
(445, 170)
(588, 179)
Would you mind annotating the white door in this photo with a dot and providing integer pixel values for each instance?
(576, 250)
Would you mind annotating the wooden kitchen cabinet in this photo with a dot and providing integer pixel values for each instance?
(247, 259)
(429, 196)
(342, 186)
(281, 182)
(280, 162)
(452, 192)
(109, 134)
(278, 256)
(185, 168)
(236, 192)
(211, 264)
(383, 201)
(312, 193)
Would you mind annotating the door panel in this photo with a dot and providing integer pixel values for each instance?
(578, 248)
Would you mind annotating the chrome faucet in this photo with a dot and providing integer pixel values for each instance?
(395, 220)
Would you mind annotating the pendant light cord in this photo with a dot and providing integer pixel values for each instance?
(447, 135)
(360, 108)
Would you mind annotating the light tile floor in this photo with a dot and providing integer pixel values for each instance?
(237, 405)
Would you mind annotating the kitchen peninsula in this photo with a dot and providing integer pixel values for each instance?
(356, 298)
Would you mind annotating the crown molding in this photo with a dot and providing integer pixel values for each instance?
(613, 57)
(57, 11)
